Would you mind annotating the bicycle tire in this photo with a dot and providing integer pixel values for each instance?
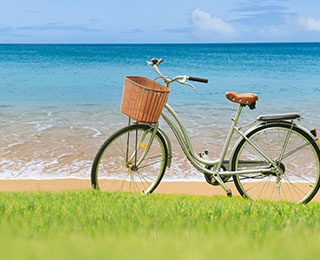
(299, 180)
(113, 169)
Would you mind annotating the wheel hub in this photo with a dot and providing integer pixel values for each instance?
(280, 170)
(131, 166)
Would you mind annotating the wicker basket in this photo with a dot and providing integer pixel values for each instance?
(143, 99)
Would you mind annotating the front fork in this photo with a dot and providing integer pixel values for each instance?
(143, 143)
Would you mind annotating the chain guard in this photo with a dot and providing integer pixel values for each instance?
(208, 177)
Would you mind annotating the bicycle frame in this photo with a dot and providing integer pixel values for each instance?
(199, 162)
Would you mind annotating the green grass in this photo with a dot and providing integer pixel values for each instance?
(95, 225)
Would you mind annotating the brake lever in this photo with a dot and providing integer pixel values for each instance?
(190, 85)
(185, 82)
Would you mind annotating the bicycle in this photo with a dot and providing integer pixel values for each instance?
(275, 159)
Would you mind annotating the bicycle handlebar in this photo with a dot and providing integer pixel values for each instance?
(181, 79)
(202, 80)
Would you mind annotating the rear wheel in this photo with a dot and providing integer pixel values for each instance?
(296, 156)
(129, 162)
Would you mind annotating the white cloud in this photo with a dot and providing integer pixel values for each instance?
(310, 23)
(203, 22)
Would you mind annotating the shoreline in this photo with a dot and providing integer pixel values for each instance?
(72, 184)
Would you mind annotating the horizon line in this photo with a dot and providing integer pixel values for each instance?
(154, 43)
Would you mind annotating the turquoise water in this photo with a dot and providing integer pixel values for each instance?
(59, 102)
(93, 74)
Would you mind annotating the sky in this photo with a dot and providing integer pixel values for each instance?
(162, 21)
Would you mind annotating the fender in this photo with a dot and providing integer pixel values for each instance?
(169, 146)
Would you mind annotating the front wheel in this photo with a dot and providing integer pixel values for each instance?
(294, 173)
(130, 161)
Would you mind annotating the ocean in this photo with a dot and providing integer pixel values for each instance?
(58, 103)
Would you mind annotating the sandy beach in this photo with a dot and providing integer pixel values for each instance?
(193, 188)
(56, 185)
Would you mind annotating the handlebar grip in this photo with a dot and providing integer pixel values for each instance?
(198, 79)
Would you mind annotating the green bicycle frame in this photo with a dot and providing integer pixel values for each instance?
(173, 120)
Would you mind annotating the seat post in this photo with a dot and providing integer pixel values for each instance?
(237, 115)
(229, 136)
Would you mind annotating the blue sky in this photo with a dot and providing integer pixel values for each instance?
(163, 21)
